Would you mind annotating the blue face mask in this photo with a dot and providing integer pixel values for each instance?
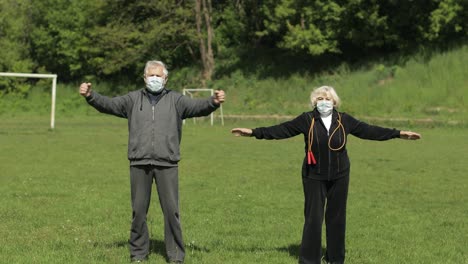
(325, 107)
(154, 83)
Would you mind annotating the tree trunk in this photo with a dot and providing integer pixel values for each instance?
(205, 36)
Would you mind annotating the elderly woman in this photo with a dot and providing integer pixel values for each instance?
(325, 169)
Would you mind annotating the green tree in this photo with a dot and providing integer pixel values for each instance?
(235, 24)
(14, 45)
(60, 37)
(301, 25)
(111, 39)
(364, 25)
(447, 21)
(401, 25)
(131, 32)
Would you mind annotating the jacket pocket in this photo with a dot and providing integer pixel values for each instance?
(170, 151)
(342, 161)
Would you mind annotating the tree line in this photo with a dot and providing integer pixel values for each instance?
(112, 39)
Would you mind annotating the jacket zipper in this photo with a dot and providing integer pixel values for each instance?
(152, 140)
(318, 148)
(329, 156)
(338, 157)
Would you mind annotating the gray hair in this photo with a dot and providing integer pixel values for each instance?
(156, 63)
(325, 90)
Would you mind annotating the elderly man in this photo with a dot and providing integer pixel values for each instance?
(155, 117)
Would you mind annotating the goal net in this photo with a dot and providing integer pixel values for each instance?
(37, 75)
(193, 91)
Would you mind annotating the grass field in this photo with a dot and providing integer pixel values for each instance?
(65, 195)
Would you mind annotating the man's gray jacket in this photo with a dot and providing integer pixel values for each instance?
(154, 130)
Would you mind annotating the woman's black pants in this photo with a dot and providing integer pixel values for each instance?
(321, 197)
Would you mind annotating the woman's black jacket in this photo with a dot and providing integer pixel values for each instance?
(330, 164)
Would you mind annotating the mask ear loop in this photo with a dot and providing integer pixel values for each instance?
(310, 155)
(344, 135)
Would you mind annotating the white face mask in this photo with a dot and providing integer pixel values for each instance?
(325, 107)
(154, 83)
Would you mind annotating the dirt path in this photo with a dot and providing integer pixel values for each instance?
(423, 121)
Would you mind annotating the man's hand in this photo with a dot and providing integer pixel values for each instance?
(85, 89)
(219, 97)
(409, 135)
(245, 132)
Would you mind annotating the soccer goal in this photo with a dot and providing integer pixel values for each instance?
(190, 92)
(37, 75)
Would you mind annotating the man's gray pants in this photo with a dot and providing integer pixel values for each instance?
(167, 184)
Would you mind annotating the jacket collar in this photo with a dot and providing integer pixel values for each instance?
(145, 91)
(316, 115)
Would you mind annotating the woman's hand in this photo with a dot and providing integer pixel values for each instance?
(409, 135)
(245, 132)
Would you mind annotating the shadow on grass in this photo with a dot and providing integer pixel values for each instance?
(293, 250)
(158, 247)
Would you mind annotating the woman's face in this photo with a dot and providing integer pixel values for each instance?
(324, 96)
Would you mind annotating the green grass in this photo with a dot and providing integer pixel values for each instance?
(433, 88)
(65, 195)
(420, 89)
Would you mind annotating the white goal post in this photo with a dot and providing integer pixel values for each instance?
(190, 93)
(37, 75)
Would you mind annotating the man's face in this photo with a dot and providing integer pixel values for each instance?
(155, 71)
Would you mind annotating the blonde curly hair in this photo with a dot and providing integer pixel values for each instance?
(325, 91)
